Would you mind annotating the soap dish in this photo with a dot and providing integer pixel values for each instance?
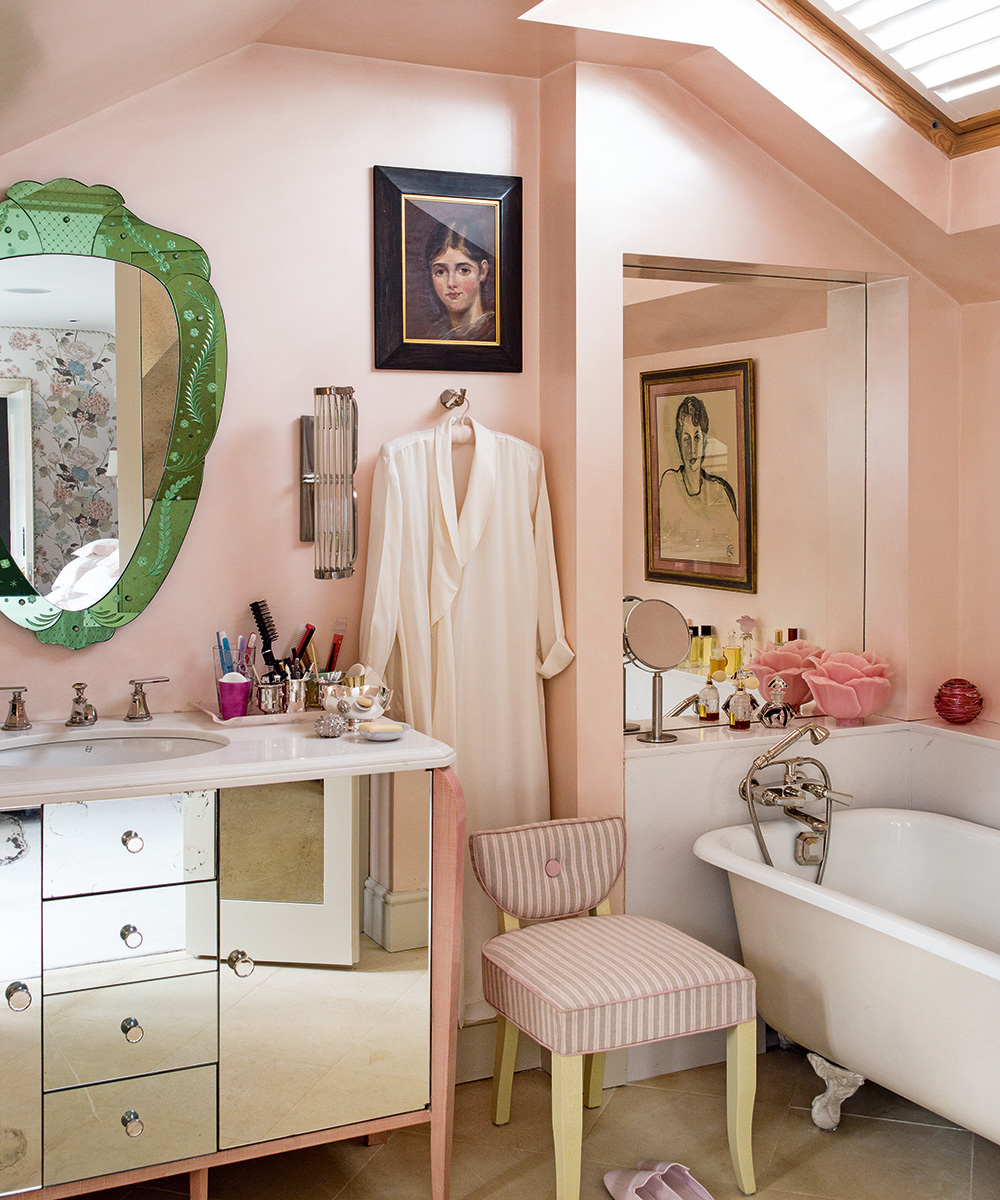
(383, 735)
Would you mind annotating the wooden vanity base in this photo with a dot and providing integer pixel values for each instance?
(448, 833)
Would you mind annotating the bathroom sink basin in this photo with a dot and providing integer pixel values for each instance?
(111, 749)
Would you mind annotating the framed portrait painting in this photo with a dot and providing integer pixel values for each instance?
(699, 475)
(447, 249)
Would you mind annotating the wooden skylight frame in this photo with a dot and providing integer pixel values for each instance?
(952, 137)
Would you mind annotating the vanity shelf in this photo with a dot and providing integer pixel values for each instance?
(146, 1033)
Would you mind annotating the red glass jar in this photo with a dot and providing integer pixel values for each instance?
(958, 701)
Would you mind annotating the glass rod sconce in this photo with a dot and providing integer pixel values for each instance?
(328, 503)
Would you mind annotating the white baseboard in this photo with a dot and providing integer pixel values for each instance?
(396, 920)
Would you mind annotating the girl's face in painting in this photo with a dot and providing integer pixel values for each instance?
(457, 280)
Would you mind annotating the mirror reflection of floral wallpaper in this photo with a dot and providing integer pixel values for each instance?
(74, 427)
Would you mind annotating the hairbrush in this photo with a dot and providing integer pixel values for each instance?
(267, 629)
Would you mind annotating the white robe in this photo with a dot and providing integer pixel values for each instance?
(463, 620)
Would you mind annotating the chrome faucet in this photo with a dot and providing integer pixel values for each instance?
(138, 709)
(17, 718)
(82, 712)
(795, 789)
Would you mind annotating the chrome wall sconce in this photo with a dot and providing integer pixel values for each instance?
(328, 503)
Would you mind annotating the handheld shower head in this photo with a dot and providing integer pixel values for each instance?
(818, 733)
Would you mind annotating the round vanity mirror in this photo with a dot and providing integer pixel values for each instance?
(656, 635)
(657, 639)
(115, 351)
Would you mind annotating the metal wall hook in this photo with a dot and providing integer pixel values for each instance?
(450, 398)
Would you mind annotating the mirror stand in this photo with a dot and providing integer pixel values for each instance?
(656, 736)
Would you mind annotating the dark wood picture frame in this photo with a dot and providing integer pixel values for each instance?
(417, 326)
(700, 501)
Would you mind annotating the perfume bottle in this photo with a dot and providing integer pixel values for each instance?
(740, 706)
(709, 643)
(734, 654)
(708, 702)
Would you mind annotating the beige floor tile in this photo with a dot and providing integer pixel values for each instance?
(401, 1170)
(530, 1125)
(643, 1123)
(985, 1170)
(871, 1160)
(315, 1173)
(781, 1074)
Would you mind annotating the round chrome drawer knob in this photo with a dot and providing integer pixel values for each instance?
(241, 963)
(133, 1126)
(132, 842)
(130, 936)
(18, 996)
(132, 1029)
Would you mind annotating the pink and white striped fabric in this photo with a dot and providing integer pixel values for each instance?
(591, 984)
(552, 869)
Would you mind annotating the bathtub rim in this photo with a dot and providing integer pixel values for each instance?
(715, 848)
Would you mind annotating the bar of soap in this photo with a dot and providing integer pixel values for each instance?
(364, 702)
(380, 727)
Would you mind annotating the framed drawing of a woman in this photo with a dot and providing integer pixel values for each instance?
(700, 484)
(447, 270)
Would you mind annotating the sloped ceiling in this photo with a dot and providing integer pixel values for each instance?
(63, 60)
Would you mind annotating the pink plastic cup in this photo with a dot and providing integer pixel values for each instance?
(234, 696)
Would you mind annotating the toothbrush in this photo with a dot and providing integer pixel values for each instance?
(227, 665)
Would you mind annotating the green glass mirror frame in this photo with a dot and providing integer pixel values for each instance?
(68, 217)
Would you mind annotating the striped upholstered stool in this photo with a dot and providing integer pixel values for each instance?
(581, 981)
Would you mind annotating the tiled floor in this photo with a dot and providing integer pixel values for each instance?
(885, 1148)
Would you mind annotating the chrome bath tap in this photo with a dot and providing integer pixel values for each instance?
(796, 789)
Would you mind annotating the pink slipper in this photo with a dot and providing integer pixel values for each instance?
(638, 1185)
(677, 1178)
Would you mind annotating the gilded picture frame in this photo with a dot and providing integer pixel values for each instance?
(700, 475)
(447, 268)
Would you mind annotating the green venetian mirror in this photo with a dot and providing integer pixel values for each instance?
(112, 371)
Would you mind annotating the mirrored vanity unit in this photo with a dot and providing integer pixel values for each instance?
(191, 968)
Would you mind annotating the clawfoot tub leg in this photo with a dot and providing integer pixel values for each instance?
(841, 1084)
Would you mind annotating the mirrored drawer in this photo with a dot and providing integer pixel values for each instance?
(125, 937)
(114, 1032)
(128, 1124)
(110, 845)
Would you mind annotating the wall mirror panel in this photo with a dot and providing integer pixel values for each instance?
(112, 371)
(806, 334)
(329, 1027)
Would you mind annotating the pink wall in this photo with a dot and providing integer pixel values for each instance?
(979, 454)
(658, 173)
(265, 158)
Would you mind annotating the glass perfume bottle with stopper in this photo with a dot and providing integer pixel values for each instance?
(740, 705)
(708, 702)
(776, 713)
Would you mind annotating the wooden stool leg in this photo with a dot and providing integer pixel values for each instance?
(593, 1080)
(567, 1123)
(503, 1069)
(741, 1086)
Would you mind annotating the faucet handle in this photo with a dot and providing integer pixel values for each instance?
(17, 718)
(138, 710)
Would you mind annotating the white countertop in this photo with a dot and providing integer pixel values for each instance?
(252, 753)
(692, 734)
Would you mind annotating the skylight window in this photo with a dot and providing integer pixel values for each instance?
(947, 50)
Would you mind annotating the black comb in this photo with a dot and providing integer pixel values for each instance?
(267, 629)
